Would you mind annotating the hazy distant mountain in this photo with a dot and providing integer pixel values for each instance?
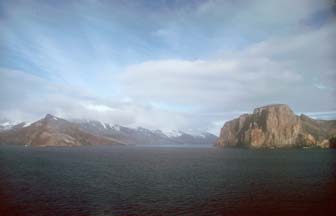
(5, 124)
(203, 138)
(276, 126)
(145, 136)
(53, 131)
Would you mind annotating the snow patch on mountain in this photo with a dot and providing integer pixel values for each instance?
(116, 127)
(173, 133)
(26, 124)
(6, 125)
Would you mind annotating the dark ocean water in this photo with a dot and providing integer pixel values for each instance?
(166, 181)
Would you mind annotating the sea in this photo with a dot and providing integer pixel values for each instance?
(166, 180)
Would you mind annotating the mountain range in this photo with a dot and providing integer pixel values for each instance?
(271, 126)
(55, 131)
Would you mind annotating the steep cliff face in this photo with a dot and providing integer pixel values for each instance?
(275, 126)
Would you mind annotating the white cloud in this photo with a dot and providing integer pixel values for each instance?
(281, 70)
(99, 107)
(27, 97)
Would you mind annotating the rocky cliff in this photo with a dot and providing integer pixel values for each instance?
(276, 126)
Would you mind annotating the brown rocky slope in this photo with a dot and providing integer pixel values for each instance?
(53, 131)
(276, 126)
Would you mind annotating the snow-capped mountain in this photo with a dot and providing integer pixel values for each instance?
(145, 136)
(6, 124)
(54, 131)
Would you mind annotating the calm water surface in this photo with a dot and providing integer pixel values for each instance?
(166, 181)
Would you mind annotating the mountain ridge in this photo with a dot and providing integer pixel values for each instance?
(52, 131)
(55, 131)
(142, 135)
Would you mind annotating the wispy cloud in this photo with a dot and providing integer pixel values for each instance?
(280, 70)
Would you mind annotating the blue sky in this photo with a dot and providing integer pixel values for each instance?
(165, 64)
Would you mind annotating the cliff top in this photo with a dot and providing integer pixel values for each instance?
(272, 106)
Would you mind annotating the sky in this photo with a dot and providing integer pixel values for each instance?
(169, 65)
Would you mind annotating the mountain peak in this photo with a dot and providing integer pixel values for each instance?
(50, 117)
(54, 131)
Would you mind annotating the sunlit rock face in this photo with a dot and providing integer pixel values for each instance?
(275, 126)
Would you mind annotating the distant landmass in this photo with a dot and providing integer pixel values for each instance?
(272, 126)
(146, 136)
(276, 126)
(55, 131)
